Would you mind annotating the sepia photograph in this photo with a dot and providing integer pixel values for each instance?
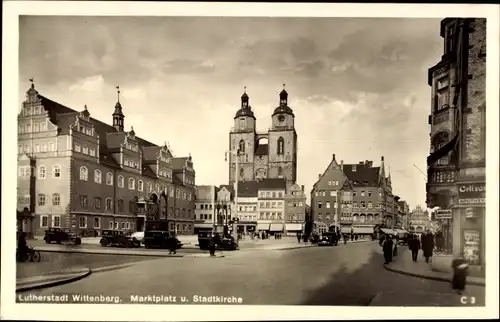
(212, 156)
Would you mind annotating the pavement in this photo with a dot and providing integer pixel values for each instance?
(349, 275)
(51, 279)
(403, 264)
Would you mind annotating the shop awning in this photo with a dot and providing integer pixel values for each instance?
(276, 227)
(203, 225)
(388, 231)
(401, 231)
(261, 226)
(363, 230)
(293, 227)
(345, 230)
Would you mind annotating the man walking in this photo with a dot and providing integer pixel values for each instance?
(427, 245)
(387, 249)
(414, 245)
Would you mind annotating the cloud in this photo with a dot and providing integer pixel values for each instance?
(93, 84)
(186, 66)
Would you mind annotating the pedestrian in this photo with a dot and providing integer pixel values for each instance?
(395, 251)
(345, 239)
(211, 246)
(414, 245)
(22, 247)
(427, 245)
(460, 272)
(387, 249)
(172, 245)
(298, 237)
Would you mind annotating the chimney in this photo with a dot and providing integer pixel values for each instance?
(334, 157)
(302, 188)
(342, 165)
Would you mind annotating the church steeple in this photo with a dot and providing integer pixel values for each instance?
(118, 117)
(245, 108)
(283, 97)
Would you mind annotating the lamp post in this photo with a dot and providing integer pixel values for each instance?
(237, 154)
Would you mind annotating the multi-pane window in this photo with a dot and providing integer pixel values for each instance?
(109, 204)
(84, 173)
(92, 152)
(85, 149)
(82, 222)
(328, 204)
(97, 222)
(84, 201)
(109, 179)
(97, 176)
(140, 185)
(56, 221)
(78, 147)
(44, 221)
(121, 181)
(56, 199)
(171, 192)
(41, 199)
(52, 147)
(42, 172)
(131, 183)
(119, 205)
(97, 203)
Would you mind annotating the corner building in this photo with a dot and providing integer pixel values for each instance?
(257, 160)
(77, 172)
(457, 160)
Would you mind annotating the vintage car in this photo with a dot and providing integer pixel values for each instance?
(60, 235)
(325, 241)
(227, 243)
(119, 239)
(221, 243)
(332, 237)
(160, 239)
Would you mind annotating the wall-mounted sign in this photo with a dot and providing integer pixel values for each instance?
(472, 193)
(443, 214)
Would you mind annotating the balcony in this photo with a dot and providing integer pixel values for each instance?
(442, 175)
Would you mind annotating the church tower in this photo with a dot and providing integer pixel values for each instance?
(242, 139)
(283, 142)
(118, 117)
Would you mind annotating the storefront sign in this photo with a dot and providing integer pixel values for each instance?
(471, 212)
(472, 247)
(443, 214)
(473, 193)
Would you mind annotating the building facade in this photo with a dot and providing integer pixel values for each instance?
(77, 172)
(205, 208)
(271, 197)
(257, 160)
(295, 209)
(419, 220)
(357, 198)
(456, 164)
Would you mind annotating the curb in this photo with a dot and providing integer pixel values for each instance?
(54, 283)
(434, 278)
(72, 251)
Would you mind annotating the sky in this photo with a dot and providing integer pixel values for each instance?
(357, 86)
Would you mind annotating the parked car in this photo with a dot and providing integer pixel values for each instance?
(119, 239)
(160, 239)
(325, 241)
(60, 235)
(227, 243)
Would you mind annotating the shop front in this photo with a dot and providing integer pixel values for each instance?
(293, 228)
(246, 227)
(276, 228)
(469, 225)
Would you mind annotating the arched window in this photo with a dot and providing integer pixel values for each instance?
(109, 204)
(56, 199)
(242, 146)
(97, 176)
(109, 179)
(131, 183)
(150, 187)
(121, 181)
(84, 173)
(42, 172)
(140, 185)
(119, 205)
(56, 171)
(281, 146)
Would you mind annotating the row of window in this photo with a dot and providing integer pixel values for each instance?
(85, 130)
(360, 218)
(39, 148)
(273, 194)
(271, 216)
(131, 163)
(274, 204)
(295, 217)
(333, 183)
(32, 110)
(85, 150)
(354, 193)
(82, 223)
(203, 216)
(132, 146)
(84, 175)
(27, 128)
